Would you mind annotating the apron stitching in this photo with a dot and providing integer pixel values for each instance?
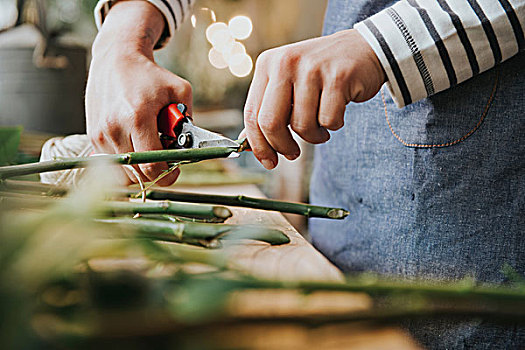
(417, 145)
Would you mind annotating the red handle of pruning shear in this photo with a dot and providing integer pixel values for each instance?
(170, 119)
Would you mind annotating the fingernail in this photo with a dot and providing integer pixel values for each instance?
(293, 156)
(170, 179)
(176, 173)
(268, 164)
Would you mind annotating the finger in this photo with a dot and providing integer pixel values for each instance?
(116, 142)
(274, 117)
(332, 109)
(181, 92)
(127, 175)
(243, 140)
(260, 147)
(304, 114)
(123, 177)
(145, 138)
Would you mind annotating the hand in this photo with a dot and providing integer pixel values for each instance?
(306, 86)
(126, 89)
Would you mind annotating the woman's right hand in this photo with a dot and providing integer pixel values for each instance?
(126, 89)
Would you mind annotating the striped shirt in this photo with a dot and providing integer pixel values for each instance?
(424, 46)
(174, 12)
(427, 46)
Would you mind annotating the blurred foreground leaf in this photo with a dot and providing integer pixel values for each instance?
(9, 141)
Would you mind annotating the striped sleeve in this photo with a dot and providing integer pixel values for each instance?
(174, 12)
(427, 46)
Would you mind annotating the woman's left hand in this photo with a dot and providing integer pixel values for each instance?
(306, 86)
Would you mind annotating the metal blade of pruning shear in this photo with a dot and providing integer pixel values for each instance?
(203, 138)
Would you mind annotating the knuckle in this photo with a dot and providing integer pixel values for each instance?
(264, 56)
(268, 123)
(313, 75)
(135, 102)
(114, 130)
(250, 111)
(250, 116)
(97, 138)
(138, 120)
(307, 133)
(271, 54)
(288, 60)
(310, 67)
(281, 59)
(263, 60)
(302, 129)
(338, 80)
(185, 90)
(285, 56)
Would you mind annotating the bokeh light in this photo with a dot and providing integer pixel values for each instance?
(240, 27)
(228, 52)
(217, 59)
(240, 65)
(213, 29)
(8, 14)
(225, 44)
(237, 48)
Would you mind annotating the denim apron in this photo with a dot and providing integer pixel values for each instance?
(449, 211)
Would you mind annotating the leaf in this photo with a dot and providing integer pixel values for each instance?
(197, 299)
(512, 275)
(9, 141)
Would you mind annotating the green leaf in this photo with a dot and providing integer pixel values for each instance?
(9, 141)
(197, 299)
(512, 275)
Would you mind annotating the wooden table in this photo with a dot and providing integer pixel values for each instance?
(298, 260)
(295, 261)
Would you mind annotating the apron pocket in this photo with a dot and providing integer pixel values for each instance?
(446, 118)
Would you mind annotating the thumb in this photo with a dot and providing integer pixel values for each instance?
(242, 135)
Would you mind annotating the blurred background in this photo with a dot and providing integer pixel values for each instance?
(44, 60)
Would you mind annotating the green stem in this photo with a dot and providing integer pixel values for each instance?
(210, 213)
(34, 187)
(378, 287)
(197, 233)
(250, 202)
(191, 331)
(169, 155)
(198, 211)
(234, 201)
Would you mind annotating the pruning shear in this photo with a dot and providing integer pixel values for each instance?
(177, 130)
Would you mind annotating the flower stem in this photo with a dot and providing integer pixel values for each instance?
(168, 155)
(250, 202)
